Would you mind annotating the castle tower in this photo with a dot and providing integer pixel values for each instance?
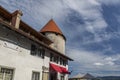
(52, 31)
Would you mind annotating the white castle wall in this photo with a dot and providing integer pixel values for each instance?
(15, 53)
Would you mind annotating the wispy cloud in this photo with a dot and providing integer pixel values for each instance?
(93, 62)
(90, 11)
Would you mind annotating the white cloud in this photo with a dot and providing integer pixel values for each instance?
(98, 64)
(111, 63)
(107, 61)
(98, 38)
(90, 11)
(93, 61)
(110, 59)
(84, 56)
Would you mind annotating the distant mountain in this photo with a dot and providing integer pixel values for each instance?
(109, 78)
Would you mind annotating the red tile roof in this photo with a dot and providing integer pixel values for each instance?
(51, 27)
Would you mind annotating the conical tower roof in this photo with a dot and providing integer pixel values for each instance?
(51, 26)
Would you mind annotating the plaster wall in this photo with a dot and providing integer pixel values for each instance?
(15, 53)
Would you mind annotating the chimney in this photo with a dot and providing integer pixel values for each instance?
(16, 18)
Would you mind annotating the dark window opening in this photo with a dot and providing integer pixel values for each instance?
(51, 57)
(57, 59)
(40, 52)
(43, 53)
(33, 49)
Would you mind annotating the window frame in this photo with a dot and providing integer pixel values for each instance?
(57, 59)
(41, 52)
(37, 51)
(62, 77)
(9, 68)
(35, 73)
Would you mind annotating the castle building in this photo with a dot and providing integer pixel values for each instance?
(27, 54)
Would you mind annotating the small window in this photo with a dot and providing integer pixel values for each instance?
(54, 58)
(6, 74)
(41, 53)
(62, 77)
(61, 61)
(33, 49)
(57, 59)
(37, 51)
(35, 76)
(51, 57)
(66, 62)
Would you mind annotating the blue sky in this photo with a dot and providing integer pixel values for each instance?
(90, 26)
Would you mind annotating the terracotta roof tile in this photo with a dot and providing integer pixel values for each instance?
(51, 26)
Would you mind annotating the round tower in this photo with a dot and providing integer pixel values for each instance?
(52, 31)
